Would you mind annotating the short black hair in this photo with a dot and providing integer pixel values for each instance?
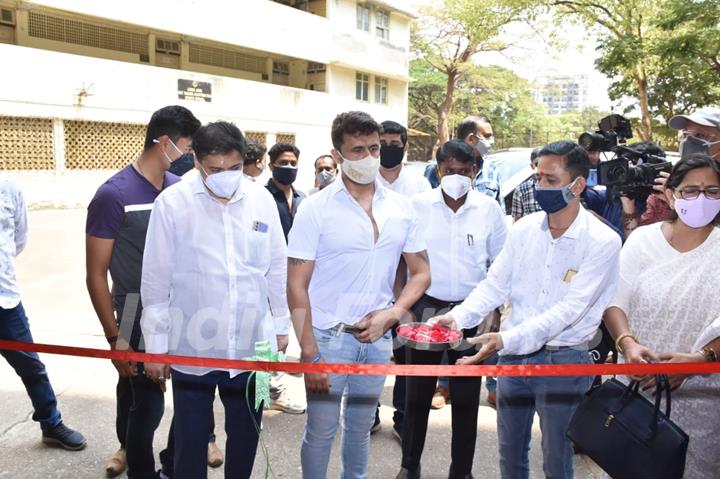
(689, 163)
(457, 149)
(253, 152)
(395, 128)
(352, 123)
(279, 148)
(220, 137)
(534, 154)
(174, 121)
(325, 156)
(576, 158)
(469, 125)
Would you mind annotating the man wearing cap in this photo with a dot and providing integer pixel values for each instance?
(700, 132)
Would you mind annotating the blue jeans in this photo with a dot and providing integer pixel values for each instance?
(359, 397)
(553, 398)
(193, 397)
(14, 326)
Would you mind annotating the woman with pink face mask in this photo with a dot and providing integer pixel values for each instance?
(667, 307)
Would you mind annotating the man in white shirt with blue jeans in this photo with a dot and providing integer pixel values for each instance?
(214, 254)
(345, 245)
(559, 269)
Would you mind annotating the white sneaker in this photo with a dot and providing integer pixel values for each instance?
(284, 403)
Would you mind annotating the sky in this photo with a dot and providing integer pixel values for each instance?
(533, 57)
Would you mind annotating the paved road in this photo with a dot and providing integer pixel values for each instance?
(51, 275)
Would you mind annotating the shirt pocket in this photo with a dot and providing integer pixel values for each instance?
(257, 249)
(474, 245)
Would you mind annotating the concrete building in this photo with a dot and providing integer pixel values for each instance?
(82, 77)
(562, 93)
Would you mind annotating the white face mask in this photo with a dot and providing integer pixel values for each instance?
(324, 178)
(455, 186)
(225, 183)
(362, 171)
(484, 145)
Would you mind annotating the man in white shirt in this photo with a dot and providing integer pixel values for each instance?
(14, 325)
(559, 269)
(215, 253)
(464, 230)
(344, 249)
(393, 147)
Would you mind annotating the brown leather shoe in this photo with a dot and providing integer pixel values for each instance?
(492, 399)
(441, 398)
(215, 455)
(117, 464)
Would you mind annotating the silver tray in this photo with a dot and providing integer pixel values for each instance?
(424, 346)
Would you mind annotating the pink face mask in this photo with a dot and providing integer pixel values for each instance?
(698, 212)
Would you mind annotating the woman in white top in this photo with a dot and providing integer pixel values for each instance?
(667, 305)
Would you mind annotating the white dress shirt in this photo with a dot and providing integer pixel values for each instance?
(13, 236)
(208, 271)
(353, 275)
(407, 183)
(461, 245)
(558, 288)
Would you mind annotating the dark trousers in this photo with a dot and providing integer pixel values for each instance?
(148, 405)
(14, 326)
(193, 397)
(167, 455)
(400, 387)
(123, 403)
(465, 392)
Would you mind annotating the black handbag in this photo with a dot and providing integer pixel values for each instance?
(627, 435)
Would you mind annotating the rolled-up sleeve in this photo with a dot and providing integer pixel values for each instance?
(21, 224)
(305, 232)
(157, 268)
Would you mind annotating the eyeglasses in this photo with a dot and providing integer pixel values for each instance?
(710, 138)
(692, 192)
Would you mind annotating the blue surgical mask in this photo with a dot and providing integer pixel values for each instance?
(552, 200)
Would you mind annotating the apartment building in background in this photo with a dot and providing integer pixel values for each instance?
(562, 93)
(82, 77)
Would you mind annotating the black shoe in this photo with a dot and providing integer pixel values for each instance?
(65, 437)
(408, 474)
(376, 425)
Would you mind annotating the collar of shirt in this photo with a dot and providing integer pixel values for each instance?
(272, 187)
(472, 201)
(339, 185)
(573, 231)
(198, 188)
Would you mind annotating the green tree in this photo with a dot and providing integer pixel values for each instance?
(628, 32)
(450, 33)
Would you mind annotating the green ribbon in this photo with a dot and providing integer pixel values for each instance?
(264, 352)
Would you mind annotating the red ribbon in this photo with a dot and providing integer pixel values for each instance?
(378, 369)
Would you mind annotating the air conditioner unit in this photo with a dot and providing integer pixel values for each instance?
(171, 47)
(7, 17)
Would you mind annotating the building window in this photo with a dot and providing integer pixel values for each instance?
(281, 73)
(382, 24)
(362, 86)
(381, 90)
(363, 18)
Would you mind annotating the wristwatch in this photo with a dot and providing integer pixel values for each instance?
(709, 354)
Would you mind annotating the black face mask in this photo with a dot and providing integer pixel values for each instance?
(391, 156)
(285, 175)
(182, 165)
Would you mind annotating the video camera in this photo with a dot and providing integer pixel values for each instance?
(632, 171)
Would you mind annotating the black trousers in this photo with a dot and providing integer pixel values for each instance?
(465, 393)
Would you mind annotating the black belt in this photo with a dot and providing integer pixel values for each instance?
(439, 302)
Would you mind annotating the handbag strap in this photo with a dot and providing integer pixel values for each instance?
(661, 383)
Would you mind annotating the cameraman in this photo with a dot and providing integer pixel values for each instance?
(623, 212)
